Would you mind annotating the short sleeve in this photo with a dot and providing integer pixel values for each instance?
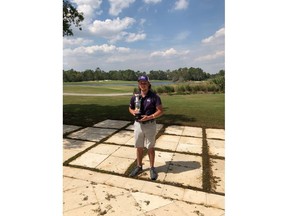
(158, 100)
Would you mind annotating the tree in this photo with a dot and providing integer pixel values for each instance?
(70, 16)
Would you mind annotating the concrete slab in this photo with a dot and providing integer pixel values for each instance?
(130, 142)
(134, 185)
(112, 192)
(194, 209)
(184, 131)
(125, 152)
(218, 176)
(182, 208)
(167, 142)
(148, 202)
(122, 137)
(72, 147)
(115, 181)
(216, 147)
(121, 204)
(186, 170)
(92, 134)
(173, 192)
(217, 201)
(116, 124)
(215, 133)
(76, 198)
(67, 154)
(80, 145)
(116, 164)
(174, 129)
(192, 131)
(70, 128)
(88, 159)
(104, 149)
(106, 157)
(190, 144)
(102, 193)
(197, 197)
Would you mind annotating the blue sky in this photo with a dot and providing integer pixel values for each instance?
(147, 35)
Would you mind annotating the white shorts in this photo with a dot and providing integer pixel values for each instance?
(145, 134)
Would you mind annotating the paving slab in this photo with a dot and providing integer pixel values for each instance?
(174, 129)
(92, 134)
(107, 157)
(72, 147)
(80, 145)
(101, 194)
(218, 170)
(104, 149)
(121, 137)
(167, 142)
(178, 159)
(215, 133)
(116, 164)
(125, 152)
(184, 131)
(186, 170)
(148, 202)
(70, 128)
(190, 144)
(192, 131)
(91, 160)
(216, 147)
(116, 124)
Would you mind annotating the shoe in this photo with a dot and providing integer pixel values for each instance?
(136, 171)
(153, 173)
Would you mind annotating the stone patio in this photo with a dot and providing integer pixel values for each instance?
(96, 160)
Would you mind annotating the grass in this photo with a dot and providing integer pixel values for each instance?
(199, 110)
(97, 89)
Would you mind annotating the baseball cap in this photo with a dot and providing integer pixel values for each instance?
(143, 78)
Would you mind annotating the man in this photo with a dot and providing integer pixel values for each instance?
(145, 124)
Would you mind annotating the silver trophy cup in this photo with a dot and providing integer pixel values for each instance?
(137, 107)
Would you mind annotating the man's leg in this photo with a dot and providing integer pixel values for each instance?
(151, 154)
(140, 156)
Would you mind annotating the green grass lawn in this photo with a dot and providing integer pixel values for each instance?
(97, 89)
(200, 110)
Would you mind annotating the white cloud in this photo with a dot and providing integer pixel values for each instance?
(104, 48)
(219, 35)
(209, 57)
(152, 1)
(88, 7)
(181, 4)
(113, 30)
(116, 6)
(75, 41)
(110, 27)
(132, 37)
(168, 53)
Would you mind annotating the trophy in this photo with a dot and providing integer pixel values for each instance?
(137, 106)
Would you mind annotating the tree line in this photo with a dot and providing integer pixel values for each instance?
(179, 75)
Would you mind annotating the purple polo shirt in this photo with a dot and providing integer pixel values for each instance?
(148, 103)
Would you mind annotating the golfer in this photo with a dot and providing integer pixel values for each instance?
(145, 126)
